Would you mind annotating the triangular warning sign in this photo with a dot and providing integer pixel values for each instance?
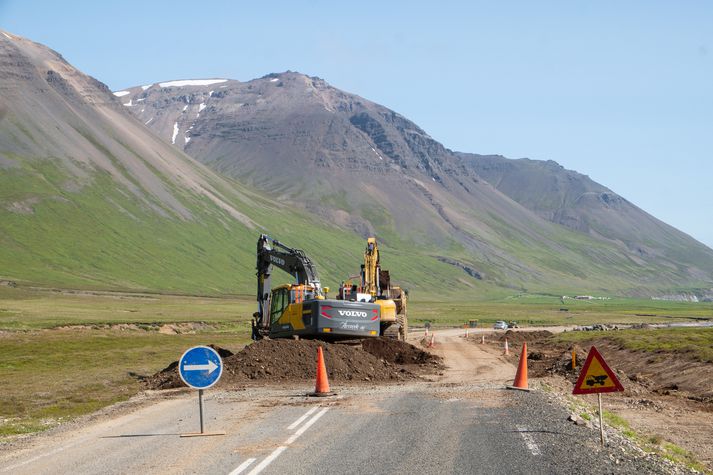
(596, 376)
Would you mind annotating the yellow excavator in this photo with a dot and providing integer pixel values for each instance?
(375, 287)
(301, 309)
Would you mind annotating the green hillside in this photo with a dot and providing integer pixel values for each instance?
(103, 237)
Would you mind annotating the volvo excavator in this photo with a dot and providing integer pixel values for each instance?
(301, 309)
(376, 288)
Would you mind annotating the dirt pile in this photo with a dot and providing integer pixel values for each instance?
(546, 360)
(399, 352)
(661, 372)
(514, 336)
(281, 361)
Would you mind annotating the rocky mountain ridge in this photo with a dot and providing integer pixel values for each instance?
(371, 170)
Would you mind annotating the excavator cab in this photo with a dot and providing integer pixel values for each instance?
(279, 301)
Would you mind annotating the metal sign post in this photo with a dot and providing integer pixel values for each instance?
(200, 407)
(601, 420)
(200, 367)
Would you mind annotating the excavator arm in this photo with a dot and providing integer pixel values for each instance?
(271, 253)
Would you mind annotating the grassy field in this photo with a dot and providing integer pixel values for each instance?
(63, 354)
(538, 310)
(50, 376)
(22, 309)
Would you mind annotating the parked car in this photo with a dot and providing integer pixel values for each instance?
(500, 325)
(512, 324)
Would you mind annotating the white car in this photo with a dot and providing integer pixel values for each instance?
(500, 325)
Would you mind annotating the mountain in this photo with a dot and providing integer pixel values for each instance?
(574, 200)
(372, 171)
(91, 198)
(166, 187)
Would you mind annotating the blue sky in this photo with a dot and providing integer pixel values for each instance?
(620, 91)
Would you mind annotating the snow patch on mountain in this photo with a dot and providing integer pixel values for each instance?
(191, 82)
(122, 93)
(146, 86)
(175, 133)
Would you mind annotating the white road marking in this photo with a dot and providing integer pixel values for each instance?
(299, 421)
(242, 467)
(307, 425)
(275, 453)
(529, 440)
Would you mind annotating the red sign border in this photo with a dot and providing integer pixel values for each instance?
(594, 353)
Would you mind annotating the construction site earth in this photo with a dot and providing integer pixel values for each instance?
(463, 372)
(663, 395)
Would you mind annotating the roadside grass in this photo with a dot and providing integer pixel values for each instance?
(655, 443)
(695, 342)
(646, 441)
(49, 376)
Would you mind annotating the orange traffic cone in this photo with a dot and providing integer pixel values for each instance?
(432, 342)
(321, 388)
(521, 375)
(507, 349)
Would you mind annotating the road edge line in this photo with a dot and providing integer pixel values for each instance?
(240, 468)
(268, 460)
(305, 416)
(306, 426)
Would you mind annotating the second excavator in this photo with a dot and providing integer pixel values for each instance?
(375, 287)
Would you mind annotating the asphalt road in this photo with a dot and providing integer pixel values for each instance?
(445, 426)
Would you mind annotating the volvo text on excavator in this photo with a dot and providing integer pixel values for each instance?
(301, 309)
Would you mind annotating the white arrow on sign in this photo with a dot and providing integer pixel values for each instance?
(201, 367)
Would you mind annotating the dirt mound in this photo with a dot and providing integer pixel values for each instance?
(399, 352)
(515, 336)
(279, 361)
(168, 377)
(549, 360)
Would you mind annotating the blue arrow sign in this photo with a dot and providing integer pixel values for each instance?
(200, 367)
